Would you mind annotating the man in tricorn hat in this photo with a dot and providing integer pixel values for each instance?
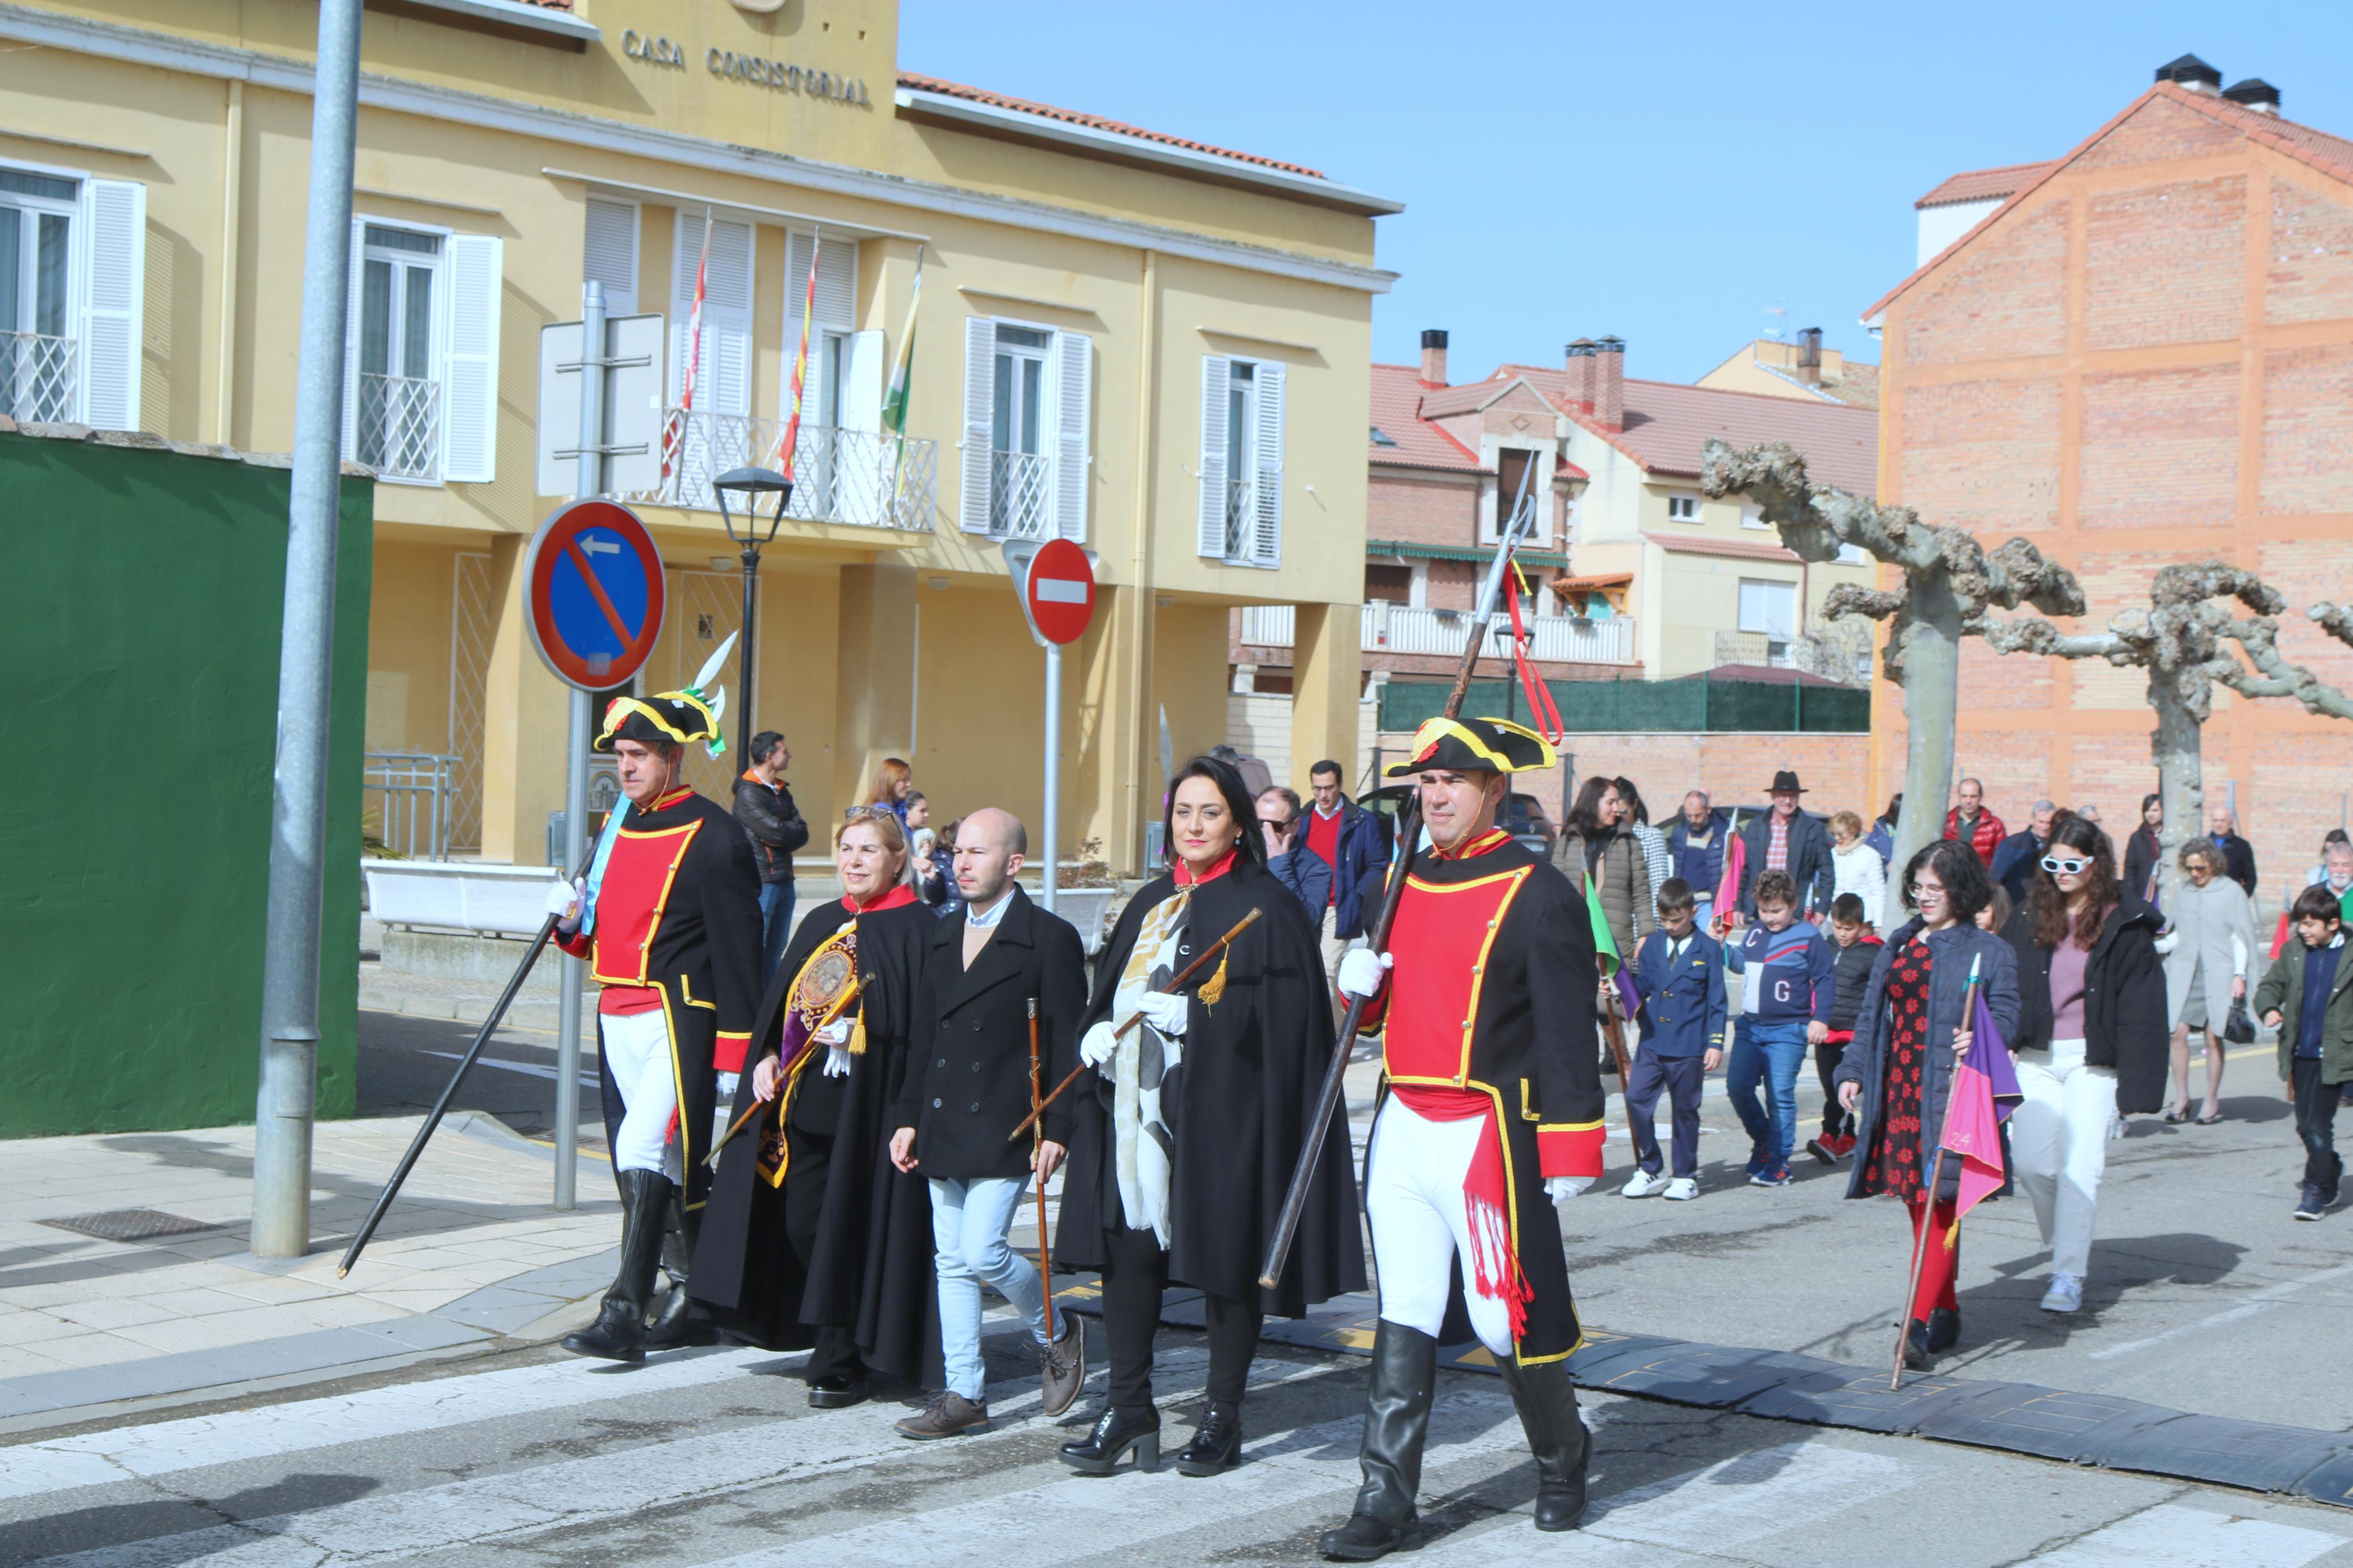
(1491, 1114)
(1784, 839)
(669, 919)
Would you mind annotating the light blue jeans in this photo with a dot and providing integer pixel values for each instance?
(969, 1220)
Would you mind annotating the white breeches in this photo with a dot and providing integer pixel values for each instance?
(1421, 1225)
(2060, 1138)
(637, 1056)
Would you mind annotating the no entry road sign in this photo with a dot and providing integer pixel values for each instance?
(1059, 591)
(595, 586)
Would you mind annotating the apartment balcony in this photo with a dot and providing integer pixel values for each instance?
(36, 378)
(867, 479)
(1409, 629)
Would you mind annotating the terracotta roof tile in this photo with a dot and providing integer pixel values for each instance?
(1668, 425)
(1979, 184)
(1094, 121)
(1418, 444)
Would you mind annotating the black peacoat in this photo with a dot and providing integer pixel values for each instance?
(2124, 1001)
(967, 1081)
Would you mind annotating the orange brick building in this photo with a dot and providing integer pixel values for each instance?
(2143, 354)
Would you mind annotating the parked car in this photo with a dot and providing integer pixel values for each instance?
(1522, 816)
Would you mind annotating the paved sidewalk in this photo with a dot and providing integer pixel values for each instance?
(471, 1257)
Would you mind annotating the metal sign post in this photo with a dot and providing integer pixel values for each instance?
(1056, 584)
(575, 976)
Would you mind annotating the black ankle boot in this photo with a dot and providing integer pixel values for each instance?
(1916, 1353)
(1216, 1447)
(1396, 1420)
(1115, 1432)
(672, 1324)
(619, 1331)
(1547, 1402)
(1944, 1330)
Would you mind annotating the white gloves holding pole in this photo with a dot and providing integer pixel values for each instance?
(564, 903)
(1363, 971)
(835, 1035)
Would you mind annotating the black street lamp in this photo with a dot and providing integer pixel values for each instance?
(750, 484)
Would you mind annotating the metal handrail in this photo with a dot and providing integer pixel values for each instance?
(868, 479)
(404, 779)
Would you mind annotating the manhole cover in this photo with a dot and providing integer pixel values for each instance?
(131, 1225)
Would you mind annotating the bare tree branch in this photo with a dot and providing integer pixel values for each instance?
(2259, 637)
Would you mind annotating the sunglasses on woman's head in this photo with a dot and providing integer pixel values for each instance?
(2063, 864)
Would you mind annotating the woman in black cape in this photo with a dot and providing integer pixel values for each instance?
(1184, 1137)
(839, 1257)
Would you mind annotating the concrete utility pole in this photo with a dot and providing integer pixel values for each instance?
(298, 816)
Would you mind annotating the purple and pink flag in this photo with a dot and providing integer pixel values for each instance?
(1985, 1091)
(1736, 864)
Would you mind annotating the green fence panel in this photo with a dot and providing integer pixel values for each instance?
(139, 627)
(1694, 703)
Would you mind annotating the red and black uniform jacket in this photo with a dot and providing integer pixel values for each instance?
(677, 927)
(1493, 997)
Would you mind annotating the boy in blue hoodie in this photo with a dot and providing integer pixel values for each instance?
(1678, 971)
(1790, 973)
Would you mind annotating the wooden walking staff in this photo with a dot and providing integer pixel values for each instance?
(1037, 1144)
(848, 994)
(1409, 834)
(1928, 1208)
(1214, 948)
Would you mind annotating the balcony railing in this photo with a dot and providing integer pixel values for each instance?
(36, 378)
(400, 426)
(866, 478)
(1404, 628)
(1839, 652)
(1017, 485)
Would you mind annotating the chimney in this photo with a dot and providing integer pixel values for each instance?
(2191, 72)
(2256, 94)
(1433, 357)
(1610, 384)
(1582, 363)
(1810, 356)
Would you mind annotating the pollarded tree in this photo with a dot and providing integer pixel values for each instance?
(1950, 580)
(2260, 637)
(2178, 640)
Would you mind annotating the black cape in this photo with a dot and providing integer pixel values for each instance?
(1238, 1106)
(870, 1269)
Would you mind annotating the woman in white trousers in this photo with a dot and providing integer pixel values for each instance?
(2091, 1037)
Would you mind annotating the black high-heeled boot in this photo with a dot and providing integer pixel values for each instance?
(1396, 1420)
(619, 1331)
(1916, 1353)
(1547, 1402)
(1216, 1445)
(1944, 1328)
(1116, 1433)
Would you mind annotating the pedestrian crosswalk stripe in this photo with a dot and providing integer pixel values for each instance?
(2194, 1537)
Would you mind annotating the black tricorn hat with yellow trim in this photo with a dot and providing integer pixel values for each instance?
(676, 716)
(1475, 746)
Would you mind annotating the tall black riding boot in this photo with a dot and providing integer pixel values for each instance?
(619, 1331)
(1396, 1420)
(1547, 1402)
(672, 1323)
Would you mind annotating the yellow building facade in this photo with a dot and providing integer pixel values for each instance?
(1154, 348)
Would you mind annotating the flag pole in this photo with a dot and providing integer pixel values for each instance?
(1929, 1205)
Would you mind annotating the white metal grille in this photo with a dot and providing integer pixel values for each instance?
(36, 377)
(1017, 483)
(400, 426)
(1241, 514)
(473, 625)
(867, 477)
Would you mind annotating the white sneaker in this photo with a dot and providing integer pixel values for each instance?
(1680, 1188)
(2066, 1293)
(1644, 1184)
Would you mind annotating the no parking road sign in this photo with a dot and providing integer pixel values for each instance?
(593, 580)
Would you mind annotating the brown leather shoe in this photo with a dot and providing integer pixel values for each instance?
(946, 1414)
(1062, 1365)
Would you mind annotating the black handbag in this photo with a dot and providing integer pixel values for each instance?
(2238, 1029)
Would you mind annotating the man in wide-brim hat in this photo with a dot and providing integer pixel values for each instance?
(1490, 1115)
(1785, 839)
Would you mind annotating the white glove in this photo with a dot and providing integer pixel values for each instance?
(1362, 970)
(2166, 941)
(1096, 1046)
(564, 898)
(836, 1062)
(1560, 1189)
(836, 1034)
(1171, 1014)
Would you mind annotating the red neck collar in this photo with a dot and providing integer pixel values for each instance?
(1478, 844)
(898, 896)
(1185, 878)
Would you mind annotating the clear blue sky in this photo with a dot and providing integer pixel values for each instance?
(1663, 171)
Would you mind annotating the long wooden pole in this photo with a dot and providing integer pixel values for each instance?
(1295, 1199)
(1037, 1142)
(841, 1002)
(1929, 1205)
(1214, 948)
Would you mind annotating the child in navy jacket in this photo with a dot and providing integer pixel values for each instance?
(1856, 948)
(1790, 980)
(1679, 973)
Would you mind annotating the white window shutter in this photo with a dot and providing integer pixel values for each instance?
(722, 379)
(1215, 371)
(352, 341)
(469, 361)
(1073, 367)
(1266, 495)
(114, 282)
(609, 253)
(861, 381)
(837, 283)
(979, 422)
